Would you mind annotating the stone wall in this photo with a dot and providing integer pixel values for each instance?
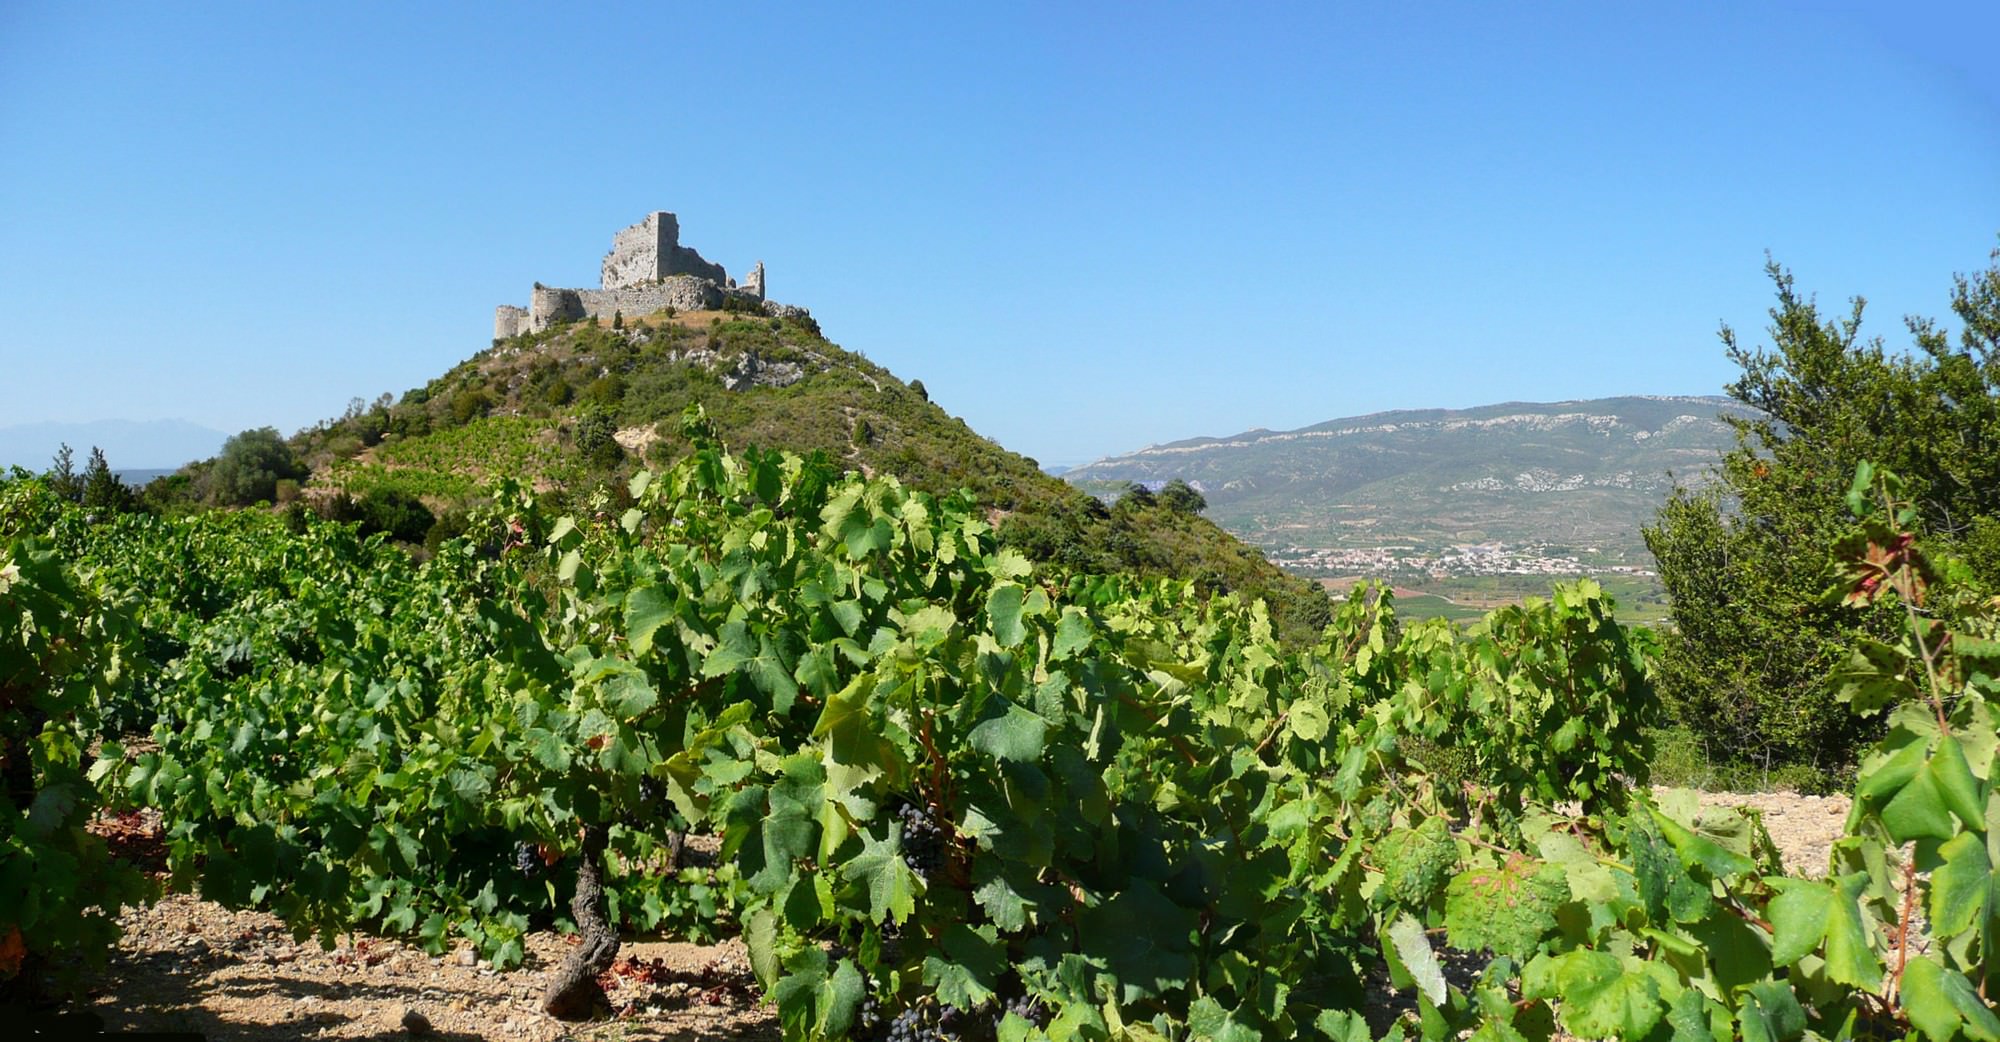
(509, 320)
(680, 292)
(548, 305)
(650, 251)
(647, 270)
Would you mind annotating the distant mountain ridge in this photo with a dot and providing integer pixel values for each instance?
(1585, 473)
(127, 444)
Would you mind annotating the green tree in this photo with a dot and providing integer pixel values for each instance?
(1747, 560)
(62, 477)
(469, 405)
(596, 438)
(1181, 497)
(249, 468)
(103, 492)
(395, 513)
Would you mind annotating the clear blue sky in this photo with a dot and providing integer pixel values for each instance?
(1085, 227)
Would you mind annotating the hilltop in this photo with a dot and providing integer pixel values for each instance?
(1419, 496)
(585, 386)
(575, 406)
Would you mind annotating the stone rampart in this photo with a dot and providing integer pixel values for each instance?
(647, 270)
(548, 305)
(509, 320)
(680, 292)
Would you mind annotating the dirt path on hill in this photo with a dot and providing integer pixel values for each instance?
(187, 965)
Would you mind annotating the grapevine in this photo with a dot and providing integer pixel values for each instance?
(956, 797)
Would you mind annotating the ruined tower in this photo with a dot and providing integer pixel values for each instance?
(647, 270)
(650, 251)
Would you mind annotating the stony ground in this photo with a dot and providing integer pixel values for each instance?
(1803, 827)
(191, 966)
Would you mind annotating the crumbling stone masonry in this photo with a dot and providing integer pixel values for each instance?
(646, 270)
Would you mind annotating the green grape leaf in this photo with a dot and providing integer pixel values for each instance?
(1308, 721)
(1341, 1025)
(1875, 676)
(1073, 634)
(733, 648)
(797, 993)
(1589, 880)
(1016, 735)
(969, 966)
(548, 749)
(1771, 1013)
(1960, 886)
(769, 673)
(785, 834)
(1009, 564)
(1884, 773)
(850, 731)
(52, 806)
(839, 997)
(1601, 1000)
(1689, 1017)
(647, 608)
(1003, 613)
(1003, 903)
(1143, 939)
(930, 624)
(1955, 783)
(1414, 949)
(883, 875)
(817, 672)
(1507, 910)
(1799, 917)
(1696, 849)
(1849, 959)
(1940, 1001)
(1735, 951)
(627, 693)
(1208, 1021)
(848, 615)
(760, 936)
(1919, 811)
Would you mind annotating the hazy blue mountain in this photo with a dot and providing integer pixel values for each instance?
(127, 444)
(1582, 474)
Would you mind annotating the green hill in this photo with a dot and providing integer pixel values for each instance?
(1506, 495)
(576, 407)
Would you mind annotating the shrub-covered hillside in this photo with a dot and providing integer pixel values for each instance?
(580, 405)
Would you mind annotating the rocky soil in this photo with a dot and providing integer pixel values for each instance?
(1803, 827)
(187, 965)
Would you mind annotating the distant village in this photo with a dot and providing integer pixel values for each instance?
(1447, 562)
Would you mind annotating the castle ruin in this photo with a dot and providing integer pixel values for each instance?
(647, 269)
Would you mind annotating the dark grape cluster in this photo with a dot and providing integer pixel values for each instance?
(528, 860)
(652, 792)
(923, 840)
(868, 1019)
(1028, 1008)
(926, 1022)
